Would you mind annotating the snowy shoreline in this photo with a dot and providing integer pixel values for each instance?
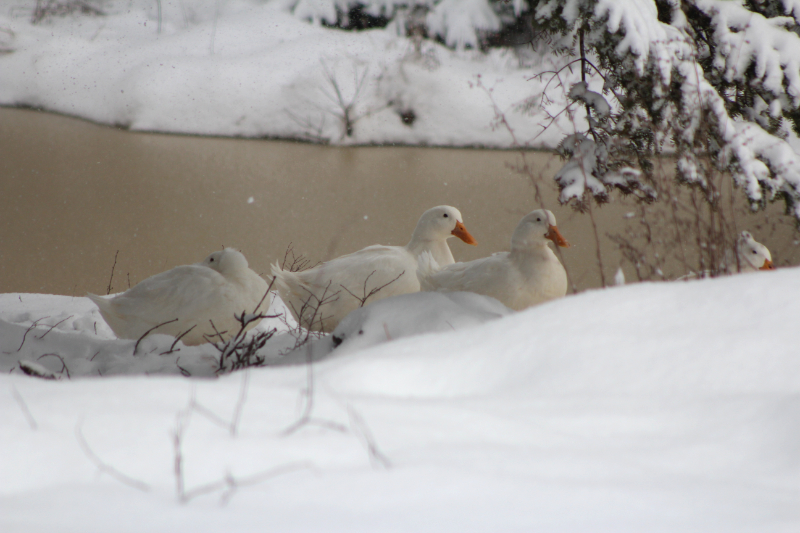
(309, 142)
(272, 75)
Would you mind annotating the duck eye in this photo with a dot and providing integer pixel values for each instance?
(445, 215)
(211, 260)
(538, 220)
(755, 252)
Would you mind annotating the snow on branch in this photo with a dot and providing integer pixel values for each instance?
(586, 172)
(716, 79)
(459, 21)
(745, 38)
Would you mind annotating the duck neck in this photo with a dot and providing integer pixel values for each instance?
(530, 251)
(438, 249)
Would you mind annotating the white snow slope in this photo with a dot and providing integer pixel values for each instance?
(643, 408)
(250, 68)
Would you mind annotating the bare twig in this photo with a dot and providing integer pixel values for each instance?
(365, 435)
(33, 325)
(237, 413)
(146, 333)
(108, 289)
(362, 300)
(63, 364)
(22, 405)
(233, 483)
(179, 337)
(53, 327)
(103, 467)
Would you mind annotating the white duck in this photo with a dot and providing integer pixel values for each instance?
(752, 255)
(196, 295)
(319, 298)
(527, 275)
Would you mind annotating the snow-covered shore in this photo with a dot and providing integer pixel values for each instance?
(252, 69)
(650, 407)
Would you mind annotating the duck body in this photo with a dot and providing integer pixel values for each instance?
(319, 298)
(528, 275)
(197, 295)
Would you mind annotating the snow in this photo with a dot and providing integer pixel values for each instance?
(643, 407)
(257, 69)
(646, 407)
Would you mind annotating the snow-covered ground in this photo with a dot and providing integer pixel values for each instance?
(649, 407)
(251, 68)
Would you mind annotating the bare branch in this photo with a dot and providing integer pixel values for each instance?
(363, 299)
(237, 413)
(146, 333)
(179, 337)
(33, 325)
(53, 326)
(111, 471)
(108, 289)
(362, 430)
(22, 405)
(63, 364)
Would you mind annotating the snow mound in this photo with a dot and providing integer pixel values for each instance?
(68, 337)
(414, 314)
(724, 336)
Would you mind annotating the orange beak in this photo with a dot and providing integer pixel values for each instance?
(462, 233)
(554, 235)
(767, 265)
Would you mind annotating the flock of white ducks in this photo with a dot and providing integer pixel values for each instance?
(319, 298)
(198, 302)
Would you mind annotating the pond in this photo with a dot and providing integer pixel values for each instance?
(78, 200)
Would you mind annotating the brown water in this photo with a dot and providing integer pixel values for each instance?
(73, 195)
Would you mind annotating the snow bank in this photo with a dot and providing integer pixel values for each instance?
(727, 336)
(649, 407)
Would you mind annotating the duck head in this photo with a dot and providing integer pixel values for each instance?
(441, 223)
(227, 261)
(752, 254)
(535, 229)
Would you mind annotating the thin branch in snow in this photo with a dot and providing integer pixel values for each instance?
(22, 405)
(362, 300)
(103, 467)
(233, 483)
(42, 336)
(108, 289)
(146, 333)
(307, 394)
(237, 413)
(183, 371)
(241, 351)
(217, 334)
(365, 434)
(63, 364)
(179, 337)
(33, 325)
